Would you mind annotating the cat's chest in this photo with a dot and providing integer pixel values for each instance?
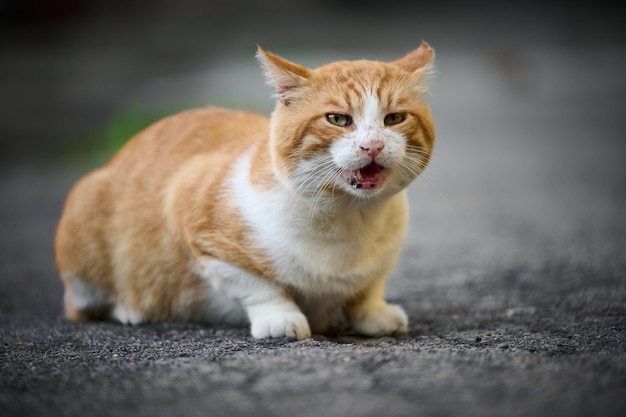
(333, 252)
(294, 241)
(317, 258)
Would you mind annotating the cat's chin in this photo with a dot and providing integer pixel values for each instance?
(369, 177)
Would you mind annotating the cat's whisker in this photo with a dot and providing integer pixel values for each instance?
(427, 178)
(411, 150)
(300, 188)
(418, 166)
(328, 175)
(307, 186)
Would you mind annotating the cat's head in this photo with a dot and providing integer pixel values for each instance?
(356, 129)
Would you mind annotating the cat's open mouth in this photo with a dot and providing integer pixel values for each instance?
(368, 177)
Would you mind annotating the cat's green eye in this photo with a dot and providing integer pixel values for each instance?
(339, 119)
(394, 118)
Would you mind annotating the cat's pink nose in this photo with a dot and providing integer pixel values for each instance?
(373, 147)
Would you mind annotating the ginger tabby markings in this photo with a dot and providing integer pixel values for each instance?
(291, 224)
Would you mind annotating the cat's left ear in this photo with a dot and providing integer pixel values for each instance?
(288, 78)
(419, 62)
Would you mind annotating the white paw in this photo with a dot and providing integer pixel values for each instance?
(385, 320)
(281, 324)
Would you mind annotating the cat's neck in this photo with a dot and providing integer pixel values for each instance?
(261, 174)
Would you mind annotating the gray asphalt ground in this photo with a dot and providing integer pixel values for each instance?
(514, 273)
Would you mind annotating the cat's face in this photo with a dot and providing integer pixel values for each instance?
(359, 129)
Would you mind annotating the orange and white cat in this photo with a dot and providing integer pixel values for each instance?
(290, 224)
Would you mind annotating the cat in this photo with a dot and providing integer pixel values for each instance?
(290, 225)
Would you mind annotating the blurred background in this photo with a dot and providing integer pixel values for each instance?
(77, 77)
(529, 100)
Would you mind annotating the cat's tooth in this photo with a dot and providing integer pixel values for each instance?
(358, 175)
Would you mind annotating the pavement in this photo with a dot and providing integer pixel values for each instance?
(514, 272)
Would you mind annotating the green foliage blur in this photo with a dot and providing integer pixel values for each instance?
(97, 147)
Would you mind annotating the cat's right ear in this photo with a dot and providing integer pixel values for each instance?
(286, 77)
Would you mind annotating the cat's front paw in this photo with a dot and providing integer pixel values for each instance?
(388, 319)
(293, 325)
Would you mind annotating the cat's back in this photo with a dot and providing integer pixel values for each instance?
(138, 175)
(120, 198)
(211, 131)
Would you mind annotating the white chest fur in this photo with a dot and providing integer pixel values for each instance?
(330, 252)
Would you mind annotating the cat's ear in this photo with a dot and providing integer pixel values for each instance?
(420, 63)
(288, 78)
(417, 60)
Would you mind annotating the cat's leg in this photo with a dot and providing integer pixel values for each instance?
(271, 311)
(84, 300)
(81, 247)
(324, 313)
(371, 315)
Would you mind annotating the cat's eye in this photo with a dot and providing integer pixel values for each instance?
(339, 119)
(394, 118)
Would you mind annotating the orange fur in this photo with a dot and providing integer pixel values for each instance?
(169, 227)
